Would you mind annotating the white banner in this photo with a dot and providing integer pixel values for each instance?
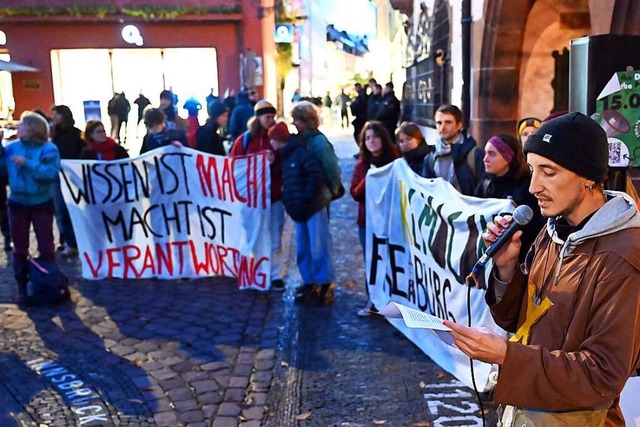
(423, 238)
(172, 213)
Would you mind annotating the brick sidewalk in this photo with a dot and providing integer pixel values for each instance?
(138, 353)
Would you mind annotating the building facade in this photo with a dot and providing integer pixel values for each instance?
(85, 53)
(499, 60)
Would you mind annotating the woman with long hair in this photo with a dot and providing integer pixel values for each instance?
(376, 149)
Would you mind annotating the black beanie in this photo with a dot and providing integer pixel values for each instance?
(575, 142)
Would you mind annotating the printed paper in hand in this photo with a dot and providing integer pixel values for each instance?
(413, 318)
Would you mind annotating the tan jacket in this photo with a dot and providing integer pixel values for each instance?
(584, 348)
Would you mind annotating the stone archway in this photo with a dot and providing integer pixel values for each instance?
(516, 64)
(497, 76)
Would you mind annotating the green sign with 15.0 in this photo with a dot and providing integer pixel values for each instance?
(618, 112)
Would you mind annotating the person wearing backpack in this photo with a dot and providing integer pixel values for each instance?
(306, 119)
(254, 141)
(457, 157)
(32, 164)
(305, 201)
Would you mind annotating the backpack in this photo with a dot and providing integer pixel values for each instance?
(245, 141)
(47, 285)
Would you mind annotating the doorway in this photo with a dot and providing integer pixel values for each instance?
(81, 75)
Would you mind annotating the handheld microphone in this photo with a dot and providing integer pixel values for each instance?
(522, 215)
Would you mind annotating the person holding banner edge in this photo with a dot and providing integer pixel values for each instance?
(574, 306)
(376, 150)
(253, 141)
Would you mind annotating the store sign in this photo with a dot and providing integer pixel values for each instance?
(618, 112)
(283, 33)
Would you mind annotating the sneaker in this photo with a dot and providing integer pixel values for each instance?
(367, 310)
(326, 294)
(69, 251)
(277, 285)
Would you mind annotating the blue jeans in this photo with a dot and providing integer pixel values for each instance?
(63, 220)
(314, 249)
(277, 225)
(362, 235)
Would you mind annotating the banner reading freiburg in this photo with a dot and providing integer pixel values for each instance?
(172, 213)
(423, 238)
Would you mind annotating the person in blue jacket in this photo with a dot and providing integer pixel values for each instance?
(32, 164)
(240, 115)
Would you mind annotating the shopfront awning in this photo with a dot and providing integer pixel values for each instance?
(13, 66)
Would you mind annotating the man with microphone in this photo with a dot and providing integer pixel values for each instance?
(574, 305)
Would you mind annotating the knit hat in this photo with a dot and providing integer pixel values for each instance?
(279, 132)
(575, 142)
(528, 122)
(263, 107)
(215, 108)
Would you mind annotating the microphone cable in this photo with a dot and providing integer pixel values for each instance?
(473, 374)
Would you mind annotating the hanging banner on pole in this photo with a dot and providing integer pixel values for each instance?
(172, 213)
(422, 240)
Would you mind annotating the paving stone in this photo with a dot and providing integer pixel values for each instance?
(165, 419)
(229, 409)
(239, 382)
(192, 417)
(212, 397)
(253, 413)
(205, 386)
(234, 394)
(209, 411)
(225, 422)
(178, 394)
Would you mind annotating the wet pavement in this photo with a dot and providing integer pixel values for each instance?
(204, 353)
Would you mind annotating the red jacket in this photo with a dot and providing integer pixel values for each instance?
(358, 180)
(257, 145)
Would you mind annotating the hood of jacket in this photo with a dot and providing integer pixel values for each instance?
(618, 213)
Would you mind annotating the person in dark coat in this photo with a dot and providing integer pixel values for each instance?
(123, 107)
(240, 115)
(389, 110)
(507, 177)
(68, 139)
(457, 158)
(142, 102)
(161, 132)
(303, 195)
(412, 145)
(208, 138)
(359, 112)
(99, 145)
(374, 101)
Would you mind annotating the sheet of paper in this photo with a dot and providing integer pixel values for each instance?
(412, 318)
